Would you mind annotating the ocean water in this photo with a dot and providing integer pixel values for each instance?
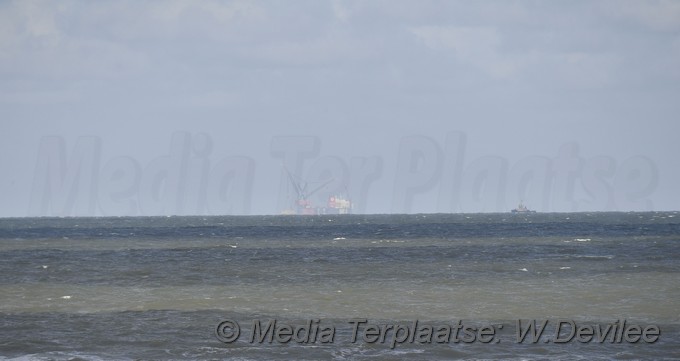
(158, 287)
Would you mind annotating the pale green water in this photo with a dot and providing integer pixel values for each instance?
(155, 288)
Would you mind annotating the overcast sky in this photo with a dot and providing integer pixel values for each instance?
(192, 107)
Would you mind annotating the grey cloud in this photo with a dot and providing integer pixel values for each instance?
(519, 78)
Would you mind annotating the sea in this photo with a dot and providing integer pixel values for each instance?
(599, 286)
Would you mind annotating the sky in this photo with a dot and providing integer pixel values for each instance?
(115, 108)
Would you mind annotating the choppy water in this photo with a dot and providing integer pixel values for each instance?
(156, 288)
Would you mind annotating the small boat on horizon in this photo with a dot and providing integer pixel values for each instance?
(521, 208)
